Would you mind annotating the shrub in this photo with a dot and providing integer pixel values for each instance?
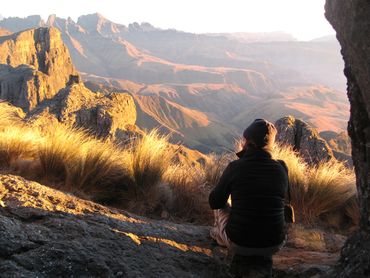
(330, 186)
(9, 115)
(16, 143)
(297, 170)
(317, 190)
(189, 193)
(151, 156)
(99, 171)
(61, 147)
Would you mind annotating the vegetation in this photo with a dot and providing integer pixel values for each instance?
(319, 191)
(144, 177)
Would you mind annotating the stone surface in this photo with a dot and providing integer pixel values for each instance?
(47, 233)
(105, 115)
(303, 138)
(36, 65)
(351, 20)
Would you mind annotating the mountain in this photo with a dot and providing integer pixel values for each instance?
(256, 37)
(205, 88)
(35, 65)
(16, 24)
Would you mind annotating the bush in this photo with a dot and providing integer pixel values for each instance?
(318, 190)
(151, 156)
(16, 143)
(189, 193)
(9, 115)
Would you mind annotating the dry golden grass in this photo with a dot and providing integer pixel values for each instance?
(16, 143)
(330, 186)
(189, 193)
(78, 162)
(9, 115)
(151, 157)
(297, 175)
(317, 190)
(74, 161)
(61, 147)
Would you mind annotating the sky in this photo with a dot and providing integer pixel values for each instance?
(304, 19)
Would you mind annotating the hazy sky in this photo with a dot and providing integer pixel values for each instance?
(302, 18)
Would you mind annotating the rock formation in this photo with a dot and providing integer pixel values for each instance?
(105, 115)
(36, 65)
(304, 139)
(351, 20)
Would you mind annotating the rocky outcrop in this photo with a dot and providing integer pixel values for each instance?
(351, 20)
(105, 115)
(36, 65)
(304, 139)
(47, 233)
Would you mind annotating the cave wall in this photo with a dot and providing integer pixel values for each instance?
(351, 20)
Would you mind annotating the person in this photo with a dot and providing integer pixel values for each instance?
(254, 224)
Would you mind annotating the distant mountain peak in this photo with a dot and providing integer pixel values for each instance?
(94, 18)
(15, 24)
(141, 27)
(98, 23)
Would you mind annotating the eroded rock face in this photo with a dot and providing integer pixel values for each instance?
(351, 20)
(304, 139)
(105, 115)
(36, 65)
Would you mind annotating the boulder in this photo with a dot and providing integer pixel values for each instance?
(304, 139)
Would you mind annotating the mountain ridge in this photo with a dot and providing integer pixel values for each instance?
(226, 82)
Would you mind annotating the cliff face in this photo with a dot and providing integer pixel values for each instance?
(351, 20)
(49, 66)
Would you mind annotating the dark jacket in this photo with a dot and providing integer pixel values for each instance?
(257, 185)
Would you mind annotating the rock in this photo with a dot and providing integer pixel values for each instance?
(105, 115)
(45, 233)
(351, 20)
(45, 236)
(304, 139)
(36, 66)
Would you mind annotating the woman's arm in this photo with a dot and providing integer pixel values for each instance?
(219, 195)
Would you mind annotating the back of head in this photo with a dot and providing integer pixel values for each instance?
(260, 134)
